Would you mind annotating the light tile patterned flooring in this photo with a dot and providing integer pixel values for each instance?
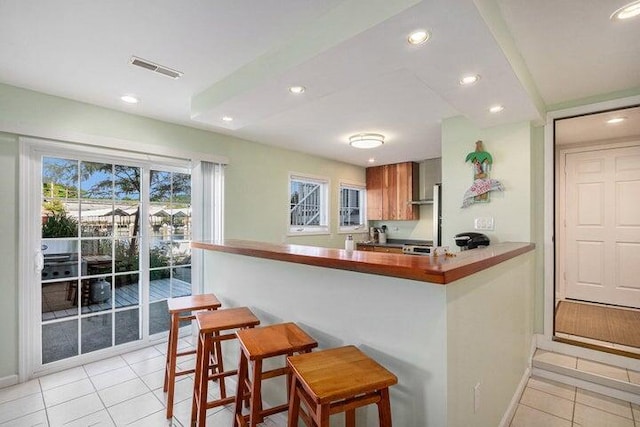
(546, 403)
(127, 390)
(123, 390)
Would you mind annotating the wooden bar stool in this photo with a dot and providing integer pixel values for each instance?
(177, 309)
(338, 380)
(209, 363)
(256, 345)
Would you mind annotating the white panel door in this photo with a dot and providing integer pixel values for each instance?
(602, 215)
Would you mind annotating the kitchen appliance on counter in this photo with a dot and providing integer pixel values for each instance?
(471, 240)
(424, 250)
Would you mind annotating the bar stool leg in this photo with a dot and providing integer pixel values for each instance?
(256, 394)
(170, 367)
(294, 404)
(218, 367)
(238, 420)
(384, 408)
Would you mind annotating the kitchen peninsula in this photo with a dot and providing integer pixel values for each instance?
(437, 323)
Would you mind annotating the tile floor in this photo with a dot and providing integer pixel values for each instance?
(123, 390)
(127, 390)
(546, 403)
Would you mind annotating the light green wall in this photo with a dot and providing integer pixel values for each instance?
(489, 335)
(537, 222)
(8, 254)
(256, 191)
(510, 146)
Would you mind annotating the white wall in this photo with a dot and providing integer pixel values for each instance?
(510, 147)
(400, 323)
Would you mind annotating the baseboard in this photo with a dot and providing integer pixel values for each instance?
(8, 381)
(513, 405)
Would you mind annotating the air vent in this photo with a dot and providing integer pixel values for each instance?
(156, 68)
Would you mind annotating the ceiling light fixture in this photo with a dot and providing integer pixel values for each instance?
(496, 109)
(616, 120)
(227, 119)
(129, 99)
(366, 140)
(297, 89)
(418, 37)
(372, 160)
(469, 80)
(628, 11)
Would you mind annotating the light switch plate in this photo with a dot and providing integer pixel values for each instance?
(484, 223)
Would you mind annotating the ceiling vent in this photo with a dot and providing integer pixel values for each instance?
(156, 68)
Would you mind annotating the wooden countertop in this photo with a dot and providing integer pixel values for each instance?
(440, 270)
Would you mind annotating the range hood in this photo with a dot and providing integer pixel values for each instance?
(430, 172)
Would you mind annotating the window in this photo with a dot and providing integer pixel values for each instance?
(308, 204)
(352, 207)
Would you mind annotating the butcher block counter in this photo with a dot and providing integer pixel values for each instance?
(441, 269)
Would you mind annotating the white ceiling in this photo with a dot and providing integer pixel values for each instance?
(240, 57)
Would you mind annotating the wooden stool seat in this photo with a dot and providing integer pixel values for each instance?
(209, 356)
(256, 345)
(180, 310)
(338, 380)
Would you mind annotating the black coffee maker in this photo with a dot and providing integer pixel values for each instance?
(471, 240)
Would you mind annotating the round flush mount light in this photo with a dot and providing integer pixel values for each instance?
(628, 11)
(418, 37)
(616, 120)
(366, 140)
(372, 160)
(297, 89)
(469, 80)
(227, 118)
(129, 99)
(496, 109)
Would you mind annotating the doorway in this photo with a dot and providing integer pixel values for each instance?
(597, 217)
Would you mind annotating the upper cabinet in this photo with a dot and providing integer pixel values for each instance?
(390, 190)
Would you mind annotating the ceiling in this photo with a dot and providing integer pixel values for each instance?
(239, 58)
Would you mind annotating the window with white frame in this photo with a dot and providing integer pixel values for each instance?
(352, 208)
(308, 204)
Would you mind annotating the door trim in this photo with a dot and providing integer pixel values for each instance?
(549, 198)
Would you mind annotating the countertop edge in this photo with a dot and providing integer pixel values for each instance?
(440, 270)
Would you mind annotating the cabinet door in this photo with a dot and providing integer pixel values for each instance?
(390, 193)
(407, 189)
(374, 192)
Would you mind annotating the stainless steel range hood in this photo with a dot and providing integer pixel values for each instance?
(430, 172)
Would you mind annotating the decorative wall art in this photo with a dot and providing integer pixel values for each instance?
(479, 191)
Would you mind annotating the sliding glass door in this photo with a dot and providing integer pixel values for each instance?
(115, 243)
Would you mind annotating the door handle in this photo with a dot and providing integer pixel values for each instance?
(39, 261)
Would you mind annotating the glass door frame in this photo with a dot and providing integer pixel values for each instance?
(30, 320)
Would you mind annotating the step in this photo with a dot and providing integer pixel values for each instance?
(613, 381)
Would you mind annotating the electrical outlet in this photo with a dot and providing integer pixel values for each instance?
(476, 398)
(483, 223)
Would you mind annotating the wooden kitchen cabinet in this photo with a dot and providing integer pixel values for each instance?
(390, 189)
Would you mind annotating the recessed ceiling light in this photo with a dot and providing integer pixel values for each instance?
(616, 120)
(297, 89)
(418, 37)
(366, 140)
(469, 80)
(628, 11)
(496, 109)
(129, 99)
(227, 119)
(372, 160)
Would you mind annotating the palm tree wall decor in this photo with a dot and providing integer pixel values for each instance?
(482, 184)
